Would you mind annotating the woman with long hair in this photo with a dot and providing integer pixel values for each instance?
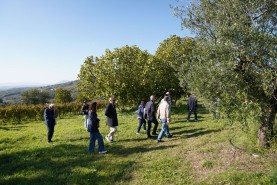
(93, 125)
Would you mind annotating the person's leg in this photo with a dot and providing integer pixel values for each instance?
(195, 115)
(163, 130)
(50, 132)
(156, 123)
(99, 138)
(85, 121)
(91, 142)
(167, 133)
(189, 113)
(144, 123)
(112, 132)
(140, 124)
(149, 123)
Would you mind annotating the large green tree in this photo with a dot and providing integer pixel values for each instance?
(35, 96)
(235, 58)
(127, 73)
(62, 96)
(175, 51)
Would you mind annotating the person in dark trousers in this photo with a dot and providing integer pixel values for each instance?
(150, 115)
(141, 119)
(50, 121)
(85, 108)
(93, 125)
(192, 107)
(112, 120)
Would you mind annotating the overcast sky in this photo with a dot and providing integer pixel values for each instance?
(46, 41)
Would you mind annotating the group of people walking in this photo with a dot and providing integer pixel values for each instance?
(147, 113)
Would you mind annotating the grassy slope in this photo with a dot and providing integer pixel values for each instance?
(199, 153)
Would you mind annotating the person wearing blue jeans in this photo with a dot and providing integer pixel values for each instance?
(163, 114)
(141, 119)
(192, 107)
(93, 125)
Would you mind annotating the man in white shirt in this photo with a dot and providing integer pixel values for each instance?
(163, 114)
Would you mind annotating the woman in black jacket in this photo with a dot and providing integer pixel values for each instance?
(93, 125)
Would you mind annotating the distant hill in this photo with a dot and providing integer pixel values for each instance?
(13, 95)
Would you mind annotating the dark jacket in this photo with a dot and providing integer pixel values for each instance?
(95, 122)
(192, 103)
(150, 111)
(85, 109)
(49, 116)
(111, 115)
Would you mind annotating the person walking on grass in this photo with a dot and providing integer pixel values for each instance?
(50, 121)
(93, 128)
(141, 119)
(112, 121)
(192, 106)
(163, 113)
(150, 115)
(85, 108)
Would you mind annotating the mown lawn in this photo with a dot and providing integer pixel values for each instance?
(199, 153)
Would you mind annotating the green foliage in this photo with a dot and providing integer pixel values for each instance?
(126, 73)
(62, 96)
(35, 96)
(235, 59)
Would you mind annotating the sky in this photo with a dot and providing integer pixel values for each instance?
(47, 41)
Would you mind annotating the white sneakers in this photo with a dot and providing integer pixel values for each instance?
(102, 152)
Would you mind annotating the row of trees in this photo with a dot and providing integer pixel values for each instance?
(38, 96)
(231, 59)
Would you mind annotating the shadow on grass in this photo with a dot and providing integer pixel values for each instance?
(63, 164)
(123, 151)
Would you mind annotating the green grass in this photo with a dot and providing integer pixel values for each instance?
(198, 153)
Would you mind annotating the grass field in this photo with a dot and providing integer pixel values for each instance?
(199, 153)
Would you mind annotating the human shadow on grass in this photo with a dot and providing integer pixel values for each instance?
(63, 164)
(126, 151)
(194, 132)
(12, 127)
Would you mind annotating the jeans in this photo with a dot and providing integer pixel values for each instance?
(149, 127)
(164, 129)
(85, 122)
(141, 122)
(50, 133)
(93, 137)
(195, 114)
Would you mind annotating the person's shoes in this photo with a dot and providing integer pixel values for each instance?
(108, 139)
(196, 120)
(149, 136)
(187, 120)
(137, 133)
(154, 134)
(144, 129)
(159, 141)
(102, 152)
(49, 141)
(169, 136)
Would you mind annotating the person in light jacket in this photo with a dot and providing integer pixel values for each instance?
(163, 113)
(112, 120)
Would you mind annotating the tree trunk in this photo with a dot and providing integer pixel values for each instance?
(265, 131)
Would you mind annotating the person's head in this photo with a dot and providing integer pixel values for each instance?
(167, 93)
(51, 106)
(166, 98)
(85, 102)
(142, 102)
(112, 100)
(92, 106)
(189, 94)
(152, 98)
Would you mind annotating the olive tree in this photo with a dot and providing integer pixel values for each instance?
(235, 58)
